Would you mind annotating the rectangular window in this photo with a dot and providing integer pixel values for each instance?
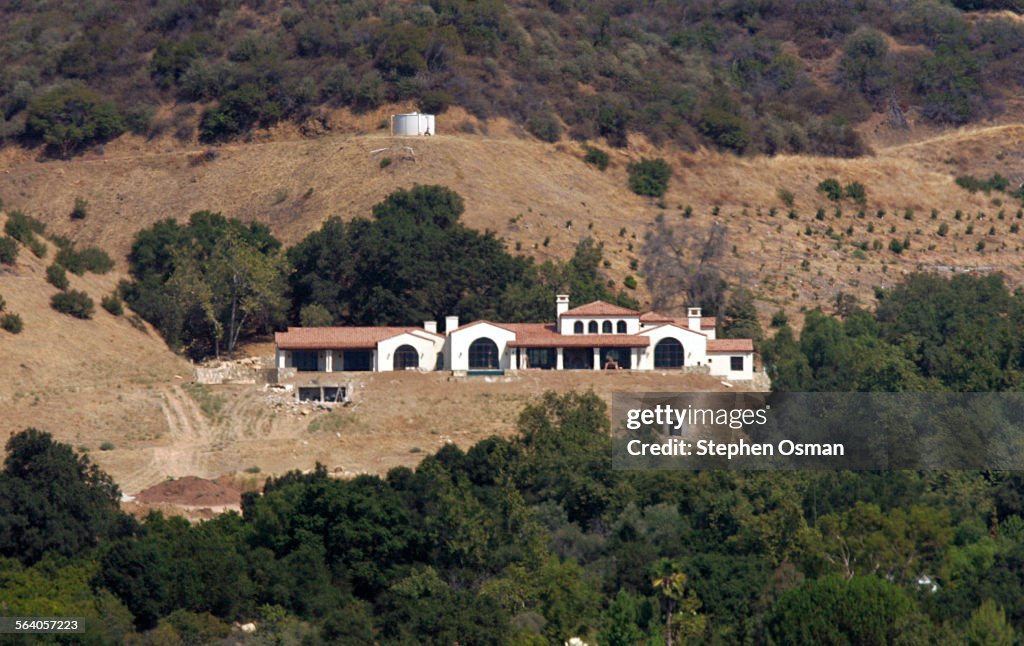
(357, 361)
(736, 363)
(543, 358)
(305, 360)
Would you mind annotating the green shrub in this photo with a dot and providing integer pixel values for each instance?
(3, 303)
(435, 102)
(315, 315)
(787, 197)
(779, 319)
(12, 323)
(24, 229)
(112, 303)
(138, 118)
(545, 127)
(943, 229)
(107, 446)
(832, 189)
(385, 162)
(649, 177)
(239, 110)
(856, 192)
(79, 261)
(725, 127)
(8, 250)
(994, 183)
(70, 117)
(630, 282)
(56, 276)
(79, 212)
(73, 303)
(595, 157)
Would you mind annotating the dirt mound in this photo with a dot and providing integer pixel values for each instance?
(192, 491)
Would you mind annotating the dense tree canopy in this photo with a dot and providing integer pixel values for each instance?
(743, 76)
(207, 283)
(928, 333)
(414, 261)
(532, 540)
(52, 500)
(536, 538)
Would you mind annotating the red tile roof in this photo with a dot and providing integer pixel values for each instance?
(600, 308)
(655, 317)
(706, 322)
(323, 338)
(730, 345)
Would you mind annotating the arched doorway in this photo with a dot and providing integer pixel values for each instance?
(406, 358)
(668, 354)
(483, 354)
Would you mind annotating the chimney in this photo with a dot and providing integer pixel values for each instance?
(450, 323)
(430, 326)
(561, 304)
(693, 314)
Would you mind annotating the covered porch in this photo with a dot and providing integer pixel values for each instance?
(616, 357)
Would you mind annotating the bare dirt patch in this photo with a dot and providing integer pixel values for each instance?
(192, 491)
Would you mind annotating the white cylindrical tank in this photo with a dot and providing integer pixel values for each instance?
(412, 124)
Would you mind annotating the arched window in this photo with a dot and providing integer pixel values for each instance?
(577, 327)
(483, 354)
(668, 354)
(592, 327)
(606, 327)
(406, 358)
(620, 327)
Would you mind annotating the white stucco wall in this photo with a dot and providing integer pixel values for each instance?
(694, 345)
(425, 344)
(457, 348)
(721, 365)
(566, 323)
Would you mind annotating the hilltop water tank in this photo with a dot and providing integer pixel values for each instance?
(412, 124)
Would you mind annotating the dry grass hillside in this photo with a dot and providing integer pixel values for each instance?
(114, 390)
(531, 192)
(117, 392)
(104, 380)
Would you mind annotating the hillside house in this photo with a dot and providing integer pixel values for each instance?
(595, 336)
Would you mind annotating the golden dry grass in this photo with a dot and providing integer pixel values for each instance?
(528, 191)
(102, 380)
